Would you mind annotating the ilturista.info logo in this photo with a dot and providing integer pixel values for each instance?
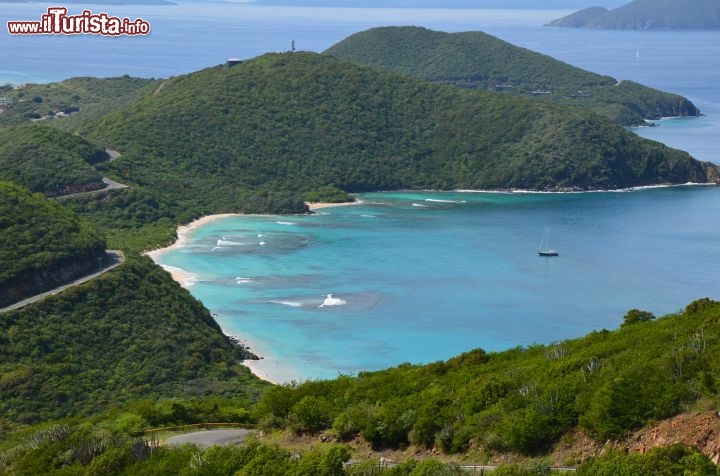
(57, 22)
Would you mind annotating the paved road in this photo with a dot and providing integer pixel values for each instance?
(112, 259)
(110, 185)
(211, 437)
(112, 154)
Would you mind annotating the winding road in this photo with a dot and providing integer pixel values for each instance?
(211, 438)
(112, 259)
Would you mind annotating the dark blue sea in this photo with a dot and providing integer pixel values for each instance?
(417, 277)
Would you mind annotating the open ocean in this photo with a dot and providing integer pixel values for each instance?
(417, 277)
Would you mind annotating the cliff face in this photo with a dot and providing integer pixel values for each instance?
(41, 245)
(712, 172)
(38, 281)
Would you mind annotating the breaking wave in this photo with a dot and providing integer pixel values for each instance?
(330, 300)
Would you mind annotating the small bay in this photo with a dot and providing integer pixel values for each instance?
(418, 277)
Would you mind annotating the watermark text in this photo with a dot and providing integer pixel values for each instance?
(57, 22)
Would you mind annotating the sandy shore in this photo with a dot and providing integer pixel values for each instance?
(184, 278)
(184, 230)
(318, 205)
(270, 370)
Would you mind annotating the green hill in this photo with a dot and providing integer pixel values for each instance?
(525, 399)
(49, 161)
(131, 334)
(298, 122)
(479, 60)
(648, 15)
(41, 245)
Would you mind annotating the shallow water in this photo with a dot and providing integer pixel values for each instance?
(419, 277)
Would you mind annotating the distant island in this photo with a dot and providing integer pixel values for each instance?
(648, 15)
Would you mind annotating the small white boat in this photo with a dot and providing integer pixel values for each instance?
(545, 249)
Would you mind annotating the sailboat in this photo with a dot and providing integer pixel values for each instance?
(545, 249)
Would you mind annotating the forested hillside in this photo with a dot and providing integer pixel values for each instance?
(41, 245)
(521, 400)
(648, 15)
(509, 406)
(130, 334)
(299, 122)
(477, 60)
(62, 100)
(49, 161)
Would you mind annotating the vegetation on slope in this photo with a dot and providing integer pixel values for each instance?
(63, 449)
(129, 334)
(131, 219)
(647, 15)
(479, 60)
(41, 244)
(49, 161)
(523, 399)
(92, 96)
(298, 122)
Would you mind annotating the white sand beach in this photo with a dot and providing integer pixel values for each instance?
(184, 278)
(318, 205)
(269, 369)
(183, 230)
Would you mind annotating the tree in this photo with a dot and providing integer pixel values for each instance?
(635, 316)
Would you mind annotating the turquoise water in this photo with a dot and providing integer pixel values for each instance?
(418, 277)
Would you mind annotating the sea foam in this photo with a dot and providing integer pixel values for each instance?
(436, 200)
(230, 243)
(330, 300)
